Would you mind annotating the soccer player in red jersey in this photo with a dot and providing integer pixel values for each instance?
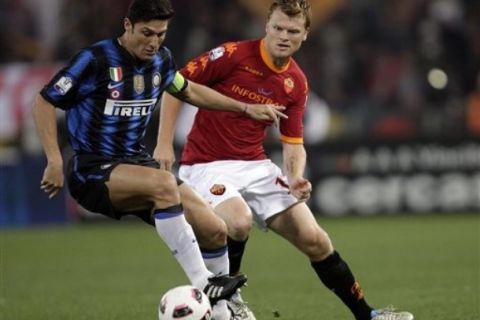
(224, 159)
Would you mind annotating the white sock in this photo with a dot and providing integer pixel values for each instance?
(179, 237)
(217, 261)
(220, 311)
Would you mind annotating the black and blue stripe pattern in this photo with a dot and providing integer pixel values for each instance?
(109, 97)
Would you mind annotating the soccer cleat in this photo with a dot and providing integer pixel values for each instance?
(223, 287)
(239, 308)
(389, 313)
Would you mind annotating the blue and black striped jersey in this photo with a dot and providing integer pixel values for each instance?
(109, 97)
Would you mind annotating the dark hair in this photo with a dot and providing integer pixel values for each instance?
(148, 10)
(292, 8)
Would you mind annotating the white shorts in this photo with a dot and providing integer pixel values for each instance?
(260, 183)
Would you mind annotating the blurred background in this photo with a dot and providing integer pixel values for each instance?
(393, 121)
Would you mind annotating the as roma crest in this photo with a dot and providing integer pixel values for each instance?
(138, 83)
(217, 189)
(288, 85)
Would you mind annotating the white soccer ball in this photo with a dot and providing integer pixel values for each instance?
(185, 303)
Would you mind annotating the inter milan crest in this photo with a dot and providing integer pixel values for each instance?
(138, 83)
(156, 79)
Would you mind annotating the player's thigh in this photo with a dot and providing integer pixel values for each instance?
(298, 225)
(210, 230)
(133, 187)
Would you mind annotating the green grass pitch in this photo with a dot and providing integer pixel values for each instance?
(428, 265)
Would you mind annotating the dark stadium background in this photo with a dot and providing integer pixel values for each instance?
(393, 122)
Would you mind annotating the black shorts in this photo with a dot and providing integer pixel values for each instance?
(86, 177)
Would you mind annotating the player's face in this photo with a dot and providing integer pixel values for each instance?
(145, 38)
(284, 35)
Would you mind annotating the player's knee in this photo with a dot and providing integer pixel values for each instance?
(164, 189)
(215, 237)
(240, 227)
(219, 236)
(317, 245)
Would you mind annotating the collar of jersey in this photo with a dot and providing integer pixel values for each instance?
(269, 61)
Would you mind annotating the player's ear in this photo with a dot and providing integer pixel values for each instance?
(127, 24)
(305, 36)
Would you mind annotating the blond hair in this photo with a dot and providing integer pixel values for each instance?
(293, 8)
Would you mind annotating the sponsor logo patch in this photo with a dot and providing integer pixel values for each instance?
(230, 48)
(63, 85)
(265, 92)
(253, 71)
(105, 166)
(115, 94)
(357, 291)
(216, 53)
(114, 85)
(129, 108)
(191, 68)
(217, 189)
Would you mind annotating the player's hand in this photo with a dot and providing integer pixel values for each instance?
(266, 112)
(165, 156)
(52, 180)
(300, 188)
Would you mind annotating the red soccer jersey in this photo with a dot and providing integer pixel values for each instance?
(243, 71)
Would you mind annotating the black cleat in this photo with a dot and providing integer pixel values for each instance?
(223, 287)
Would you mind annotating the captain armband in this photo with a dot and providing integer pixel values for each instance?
(178, 84)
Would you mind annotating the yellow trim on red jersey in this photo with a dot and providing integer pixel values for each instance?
(292, 140)
(268, 60)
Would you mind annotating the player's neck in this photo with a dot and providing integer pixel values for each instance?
(123, 43)
(280, 63)
(274, 62)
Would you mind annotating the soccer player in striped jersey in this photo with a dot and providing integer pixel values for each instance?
(109, 91)
(235, 175)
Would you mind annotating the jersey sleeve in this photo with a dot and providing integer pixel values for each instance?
(212, 66)
(71, 83)
(291, 129)
(171, 82)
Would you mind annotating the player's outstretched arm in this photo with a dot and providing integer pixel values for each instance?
(204, 97)
(169, 110)
(46, 123)
(294, 161)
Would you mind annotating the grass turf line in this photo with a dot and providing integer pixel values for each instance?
(428, 265)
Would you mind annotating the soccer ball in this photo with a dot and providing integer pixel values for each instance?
(186, 303)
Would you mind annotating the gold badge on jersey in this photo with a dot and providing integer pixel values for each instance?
(288, 85)
(138, 83)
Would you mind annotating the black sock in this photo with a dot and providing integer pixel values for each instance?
(235, 254)
(336, 275)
